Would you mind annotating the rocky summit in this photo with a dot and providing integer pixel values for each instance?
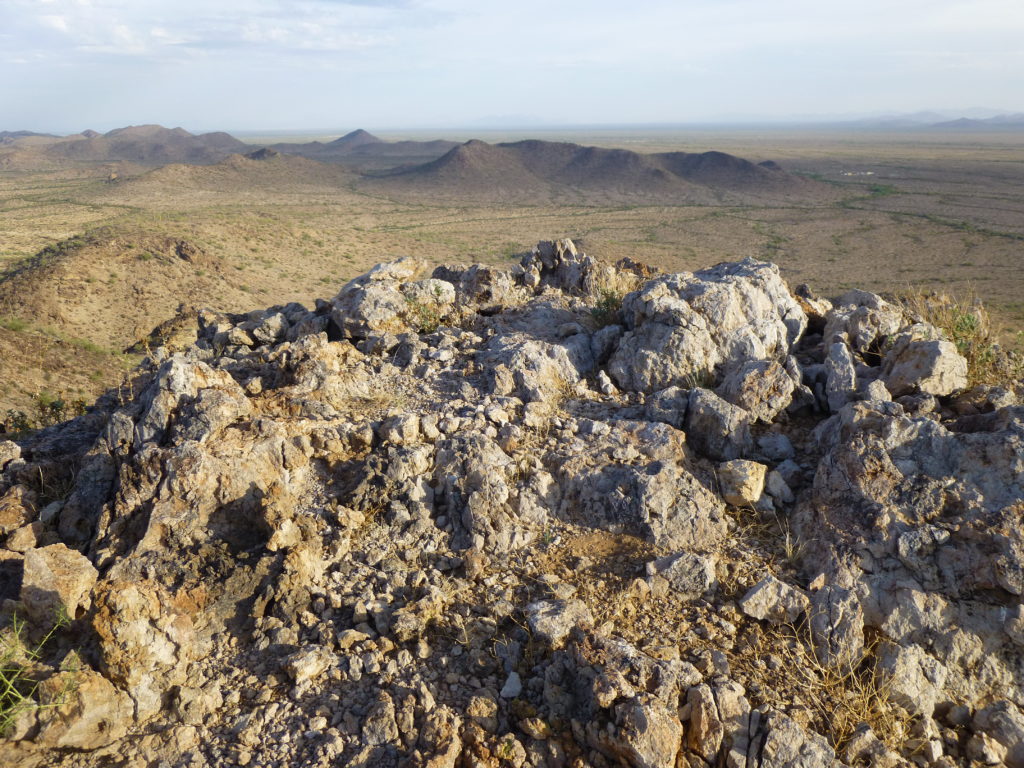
(566, 514)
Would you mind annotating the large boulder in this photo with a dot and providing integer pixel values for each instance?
(695, 327)
(390, 299)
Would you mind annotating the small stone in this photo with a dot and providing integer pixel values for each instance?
(741, 481)
(774, 601)
(553, 620)
(309, 663)
(689, 574)
(513, 686)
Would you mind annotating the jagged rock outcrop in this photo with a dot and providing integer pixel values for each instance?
(691, 327)
(487, 517)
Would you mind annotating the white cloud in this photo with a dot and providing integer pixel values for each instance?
(569, 59)
(60, 23)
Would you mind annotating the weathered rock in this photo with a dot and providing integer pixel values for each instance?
(1003, 721)
(763, 388)
(9, 451)
(776, 446)
(543, 348)
(553, 620)
(669, 406)
(146, 639)
(308, 664)
(80, 709)
(639, 478)
(718, 429)
(559, 265)
(440, 738)
(841, 381)
(25, 538)
(380, 727)
(862, 320)
(919, 362)
(776, 486)
(782, 743)
(912, 679)
(741, 481)
(648, 733)
(837, 626)
(865, 748)
(376, 303)
(774, 601)
(683, 327)
(194, 705)
(705, 730)
(17, 508)
(56, 585)
(401, 430)
(471, 476)
(691, 575)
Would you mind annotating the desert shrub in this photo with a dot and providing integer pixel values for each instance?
(607, 309)
(609, 289)
(53, 409)
(16, 422)
(13, 323)
(967, 323)
(48, 409)
(425, 315)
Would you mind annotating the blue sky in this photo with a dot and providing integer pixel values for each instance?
(335, 64)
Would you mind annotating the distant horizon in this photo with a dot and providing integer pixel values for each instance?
(863, 120)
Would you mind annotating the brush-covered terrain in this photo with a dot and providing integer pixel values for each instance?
(563, 513)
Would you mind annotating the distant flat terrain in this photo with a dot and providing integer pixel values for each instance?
(884, 212)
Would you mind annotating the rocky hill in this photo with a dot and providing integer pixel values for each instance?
(528, 170)
(108, 286)
(361, 149)
(254, 172)
(147, 145)
(565, 514)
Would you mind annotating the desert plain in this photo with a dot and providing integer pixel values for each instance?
(97, 250)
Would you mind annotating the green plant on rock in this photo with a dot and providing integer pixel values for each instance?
(425, 315)
(610, 286)
(608, 307)
(966, 322)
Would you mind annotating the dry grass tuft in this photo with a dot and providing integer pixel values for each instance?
(841, 698)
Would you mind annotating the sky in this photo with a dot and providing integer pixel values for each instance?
(67, 65)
